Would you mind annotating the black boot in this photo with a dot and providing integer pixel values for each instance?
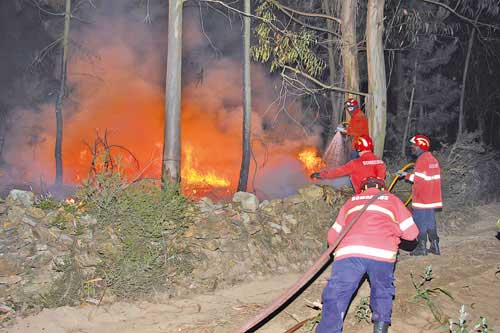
(420, 250)
(380, 327)
(434, 249)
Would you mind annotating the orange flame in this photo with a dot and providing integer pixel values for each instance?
(312, 162)
(193, 178)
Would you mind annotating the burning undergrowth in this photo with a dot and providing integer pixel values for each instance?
(116, 86)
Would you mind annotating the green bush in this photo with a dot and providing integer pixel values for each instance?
(147, 222)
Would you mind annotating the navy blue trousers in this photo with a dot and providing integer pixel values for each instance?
(343, 283)
(425, 219)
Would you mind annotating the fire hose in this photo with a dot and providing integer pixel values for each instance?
(271, 310)
(396, 178)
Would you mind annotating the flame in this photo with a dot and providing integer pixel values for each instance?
(310, 159)
(193, 178)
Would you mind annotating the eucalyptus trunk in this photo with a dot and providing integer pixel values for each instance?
(335, 97)
(377, 85)
(247, 101)
(349, 46)
(172, 130)
(61, 94)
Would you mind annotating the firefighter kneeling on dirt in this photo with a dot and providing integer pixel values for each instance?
(426, 194)
(370, 247)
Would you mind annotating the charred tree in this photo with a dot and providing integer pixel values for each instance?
(172, 129)
(377, 86)
(247, 101)
(61, 94)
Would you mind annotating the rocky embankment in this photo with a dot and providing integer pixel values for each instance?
(50, 257)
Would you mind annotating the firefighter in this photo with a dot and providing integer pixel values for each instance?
(426, 194)
(367, 165)
(357, 126)
(370, 247)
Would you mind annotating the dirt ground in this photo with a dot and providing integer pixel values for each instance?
(467, 269)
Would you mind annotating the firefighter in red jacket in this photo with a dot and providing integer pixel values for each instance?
(370, 247)
(357, 126)
(426, 194)
(367, 165)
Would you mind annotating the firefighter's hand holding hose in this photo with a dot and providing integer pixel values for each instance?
(315, 175)
(401, 174)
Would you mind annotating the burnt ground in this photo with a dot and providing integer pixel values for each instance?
(467, 269)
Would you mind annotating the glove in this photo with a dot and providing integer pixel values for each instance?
(401, 174)
(315, 175)
(340, 129)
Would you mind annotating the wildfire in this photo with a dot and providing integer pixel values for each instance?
(312, 162)
(192, 177)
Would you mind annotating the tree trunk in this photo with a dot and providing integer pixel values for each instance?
(410, 109)
(377, 87)
(247, 101)
(61, 95)
(335, 99)
(461, 112)
(349, 46)
(172, 130)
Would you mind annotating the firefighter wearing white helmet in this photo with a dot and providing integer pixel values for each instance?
(426, 194)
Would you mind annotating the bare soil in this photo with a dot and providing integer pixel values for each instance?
(468, 269)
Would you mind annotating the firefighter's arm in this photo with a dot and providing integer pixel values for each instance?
(408, 228)
(343, 170)
(336, 229)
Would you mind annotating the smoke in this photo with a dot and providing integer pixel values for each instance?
(116, 84)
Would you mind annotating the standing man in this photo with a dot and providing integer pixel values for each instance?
(426, 194)
(357, 126)
(367, 165)
(370, 247)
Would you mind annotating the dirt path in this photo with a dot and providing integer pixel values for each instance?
(466, 269)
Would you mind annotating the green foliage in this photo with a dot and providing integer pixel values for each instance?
(147, 223)
(362, 311)
(426, 294)
(283, 47)
(46, 202)
(498, 223)
(461, 325)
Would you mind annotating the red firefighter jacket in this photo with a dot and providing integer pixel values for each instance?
(426, 179)
(367, 165)
(358, 125)
(377, 232)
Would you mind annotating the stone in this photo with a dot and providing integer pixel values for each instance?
(311, 192)
(247, 200)
(88, 220)
(25, 198)
(8, 280)
(35, 212)
(211, 245)
(10, 266)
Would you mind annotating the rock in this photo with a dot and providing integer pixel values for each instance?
(10, 265)
(88, 220)
(25, 198)
(248, 201)
(3, 208)
(30, 221)
(211, 245)
(311, 192)
(35, 212)
(8, 280)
